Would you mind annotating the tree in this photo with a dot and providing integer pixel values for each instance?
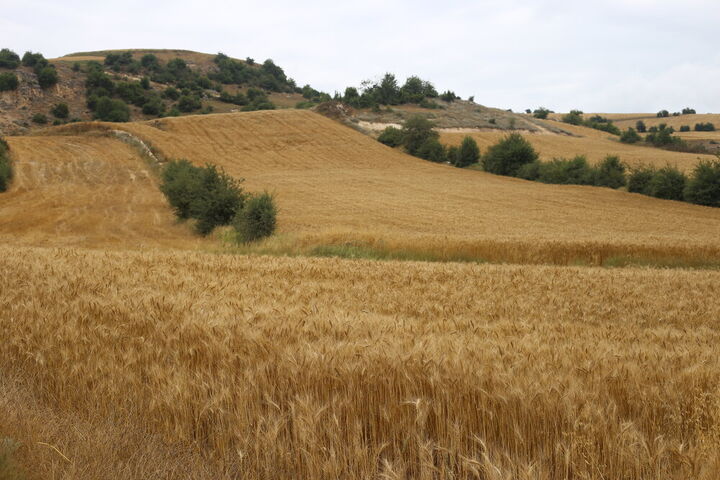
(412, 91)
(60, 110)
(575, 117)
(663, 114)
(47, 77)
(8, 81)
(630, 136)
(9, 59)
(415, 132)
(111, 110)
(610, 173)
(688, 111)
(640, 126)
(508, 155)
(668, 183)
(541, 113)
(388, 92)
(256, 219)
(703, 187)
(189, 103)
(431, 149)
(468, 153)
(391, 136)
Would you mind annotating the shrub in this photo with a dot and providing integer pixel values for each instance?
(610, 173)
(567, 172)
(30, 59)
(391, 136)
(47, 77)
(630, 136)
(468, 153)
(508, 155)
(668, 183)
(640, 126)
(8, 81)
(416, 133)
(39, 118)
(256, 219)
(703, 187)
(111, 110)
(60, 110)
(9, 59)
(663, 114)
(449, 96)
(575, 117)
(704, 127)
(6, 167)
(431, 149)
(685, 128)
(153, 106)
(541, 113)
(688, 111)
(171, 93)
(189, 103)
(76, 67)
(425, 103)
(203, 193)
(639, 179)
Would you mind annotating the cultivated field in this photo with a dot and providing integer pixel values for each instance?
(594, 144)
(187, 365)
(85, 191)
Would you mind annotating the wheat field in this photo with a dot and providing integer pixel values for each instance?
(133, 349)
(190, 365)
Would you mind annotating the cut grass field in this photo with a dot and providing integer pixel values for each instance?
(188, 365)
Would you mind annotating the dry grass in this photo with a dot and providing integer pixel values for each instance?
(334, 184)
(594, 144)
(181, 365)
(85, 190)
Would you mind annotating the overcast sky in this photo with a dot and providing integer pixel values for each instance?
(601, 56)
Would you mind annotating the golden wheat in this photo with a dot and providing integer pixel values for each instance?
(173, 365)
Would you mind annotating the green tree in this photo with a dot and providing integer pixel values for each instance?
(468, 154)
(60, 110)
(391, 136)
(630, 136)
(388, 92)
(610, 173)
(8, 81)
(668, 183)
(703, 187)
(9, 59)
(640, 126)
(111, 110)
(256, 219)
(47, 77)
(508, 155)
(541, 113)
(416, 131)
(575, 117)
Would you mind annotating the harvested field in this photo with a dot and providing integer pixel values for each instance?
(187, 365)
(594, 144)
(85, 191)
(337, 186)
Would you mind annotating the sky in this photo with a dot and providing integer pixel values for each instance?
(596, 56)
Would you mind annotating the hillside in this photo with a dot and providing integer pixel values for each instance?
(85, 191)
(337, 186)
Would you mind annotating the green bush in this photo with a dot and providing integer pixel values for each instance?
(9, 59)
(111, 110)
(154, 106)
(468, 153)
(256, 219)
(576, 171)
(668, 183)
(663, 114)
(703, 187)
(6, 167)
(40, 118)
(610, 173)
(206, 194)
(449, 96)
(391, 136)
(47, 77)
(189, 103)
(640, 126)
(685, 128)
(8, 81)
(575, 117)
(60, 110)
(508, 155)
(30, 59)
(541, 113)
(630, 136)
(639, 179)
(704, 127)
(416, 133)
(431, 149)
